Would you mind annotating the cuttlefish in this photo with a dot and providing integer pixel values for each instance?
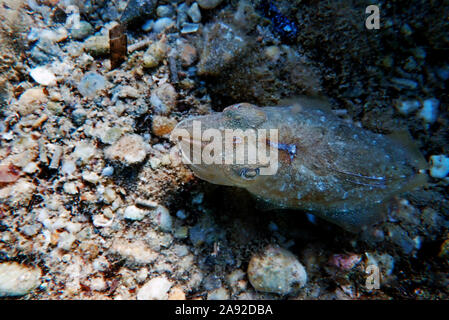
(325, 165)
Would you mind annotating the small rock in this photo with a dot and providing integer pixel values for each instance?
(209, 4)
(84, 151)
(142, 275)
(345, 261)
(155, 289)
(187, 54)
(277, 271)
(155, 53)
(128, 92)
(401, 83)
(176, 293)
(148, 25)
(194, 13)
(136, 252)
(162, 218)
(218, 294)
(165, 11)
(31, 167)
(164, 99)
(407, 107)
(107, 171)
(82, 30)
(90, 84)
(66, 240)
(181, 232)
(79, 116)
(129, 149)
(429, 111)
(98, 284)
(189, 28)
(97, 45)
(163, 126)
(439, 166)
(91, 177)
(134, 213)
(162, 24)
(43, 76)
(100, 221)
(70, 188)
(31, 100)
(18, 280)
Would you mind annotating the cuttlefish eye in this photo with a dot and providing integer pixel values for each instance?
(249, 173)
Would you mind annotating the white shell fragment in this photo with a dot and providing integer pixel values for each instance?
(43, 76)
(439, 166)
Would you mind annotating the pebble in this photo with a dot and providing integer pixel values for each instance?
(218, 294)
(163, 126)
(43, 76)
(209, 4)
(194, 13)
(148, 25)
(189, 27)
(401, 83)
(31, 100)
(66, 240)
(165, 11)
(155, 289)
(162, 24)
(90, 84)
(79, 116)
(429, 111)
(407, 107)
(18, 280)
(135, 252)
(107, 171)
(82, 30)
(439, 166)
(97, 45)
(68, 167)
(176, 293)
(163, 99)
(276, 271)
(129, 149)
(70, 188)
(155, 53)
(100, 221)
(162, 218)
(91, 177)
(84, 151)
(134, 213)
(187, 53)
(98, 284)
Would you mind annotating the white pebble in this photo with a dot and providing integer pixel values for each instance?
(134, 213)
(162, 24)
(155, 289)
(91, 177)
(43, 76)
(148, 25)
(17, 280)
(194, 13)
(429, 111)
(70, 188)
(108, 171)
(439, 166)
(163, 219)
(68, 167)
